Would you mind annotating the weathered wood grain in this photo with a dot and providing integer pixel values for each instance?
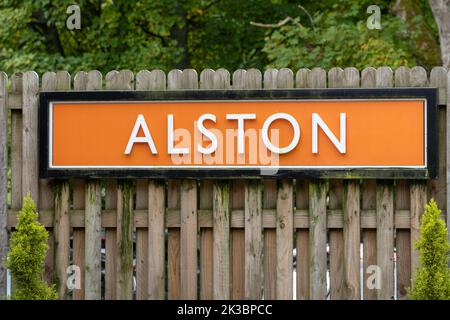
(385, 238)
(30, 180)
(173, 244)
(142, 242)
(237, 244)
(221, 253)
(3, 178)
(352, 238)
(16, 144)
(206, 242)
(254, 276)
(318, 240)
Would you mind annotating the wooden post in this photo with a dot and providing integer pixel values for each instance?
(3, 178)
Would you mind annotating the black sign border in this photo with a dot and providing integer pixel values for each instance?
(430, 94)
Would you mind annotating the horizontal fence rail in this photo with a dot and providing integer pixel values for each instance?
(217, 239)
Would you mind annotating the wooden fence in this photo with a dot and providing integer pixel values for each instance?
(216, 239)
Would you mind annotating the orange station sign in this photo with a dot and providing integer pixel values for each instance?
(283, 133)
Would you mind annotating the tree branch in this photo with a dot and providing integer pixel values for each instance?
(269, 25)
(309, 16)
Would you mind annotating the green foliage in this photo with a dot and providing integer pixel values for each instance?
(167, 34)
(27, 254)
(432, 279)
(340, 38)
(142, 34)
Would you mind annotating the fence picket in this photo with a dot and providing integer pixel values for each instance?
(61, 227)
(79, 187)
(336, 236)
(207, 244)
(3, 178)
(368, 80)
(318, 219)
(30, 180)
(352, 218)
(151, 239)
(93, 207)
(385, 213)
(285, 216)
(221, 254)
(78, 240)
(173, 242)
(302, 203)
(16, 144)
(402, 202)
(110, 242)
(270, 202)
(156, 241)
(254, 240)
(237, 244)
(142, 242)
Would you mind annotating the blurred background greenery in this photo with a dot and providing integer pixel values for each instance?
(167, 34)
